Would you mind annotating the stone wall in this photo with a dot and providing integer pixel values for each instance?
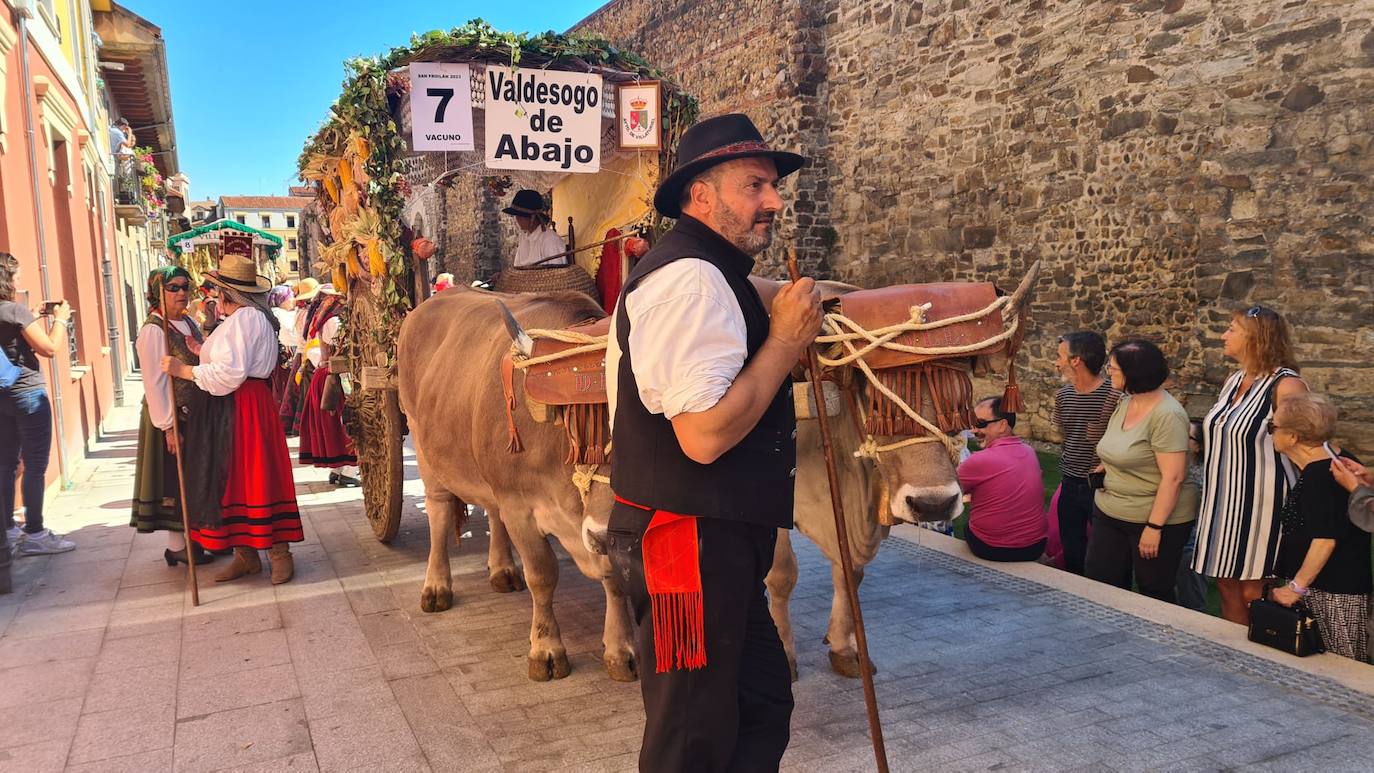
(1166, 160)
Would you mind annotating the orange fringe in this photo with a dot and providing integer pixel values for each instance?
(950, 392)
(588, 429)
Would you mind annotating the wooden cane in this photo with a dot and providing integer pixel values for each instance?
(813, 369)
(176, 451)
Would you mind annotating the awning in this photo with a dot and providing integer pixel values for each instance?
(209, 234)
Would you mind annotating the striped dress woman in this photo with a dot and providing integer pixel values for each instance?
(1246, 481)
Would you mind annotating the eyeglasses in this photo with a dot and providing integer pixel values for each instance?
(177, 287)
(983, 423)
(1271, 427)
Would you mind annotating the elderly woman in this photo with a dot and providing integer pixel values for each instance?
(157, 490)
(1244, 477)
(1324, 556)
(1144, 512)
(240, 451)
(283, 305)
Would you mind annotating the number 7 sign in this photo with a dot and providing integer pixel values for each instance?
(440, 106)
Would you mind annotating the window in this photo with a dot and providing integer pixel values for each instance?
(291, 222)
(291, 245)
(266, 221)
(295, 266)
(243, 220)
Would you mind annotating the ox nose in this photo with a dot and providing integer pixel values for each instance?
(937, 507)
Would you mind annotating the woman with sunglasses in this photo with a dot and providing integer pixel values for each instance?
(1322, 555)
(157, 491)
(1245, 479)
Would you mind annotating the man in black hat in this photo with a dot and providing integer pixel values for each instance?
(705, 455)
(538, 239)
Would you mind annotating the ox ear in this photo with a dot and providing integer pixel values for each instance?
(517, 334)
(1024, 294)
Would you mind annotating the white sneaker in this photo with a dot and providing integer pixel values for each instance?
(43, 543)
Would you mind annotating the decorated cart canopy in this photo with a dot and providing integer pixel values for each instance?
(201, 248)
(583, 122)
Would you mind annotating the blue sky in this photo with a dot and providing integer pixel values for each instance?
(252, 79)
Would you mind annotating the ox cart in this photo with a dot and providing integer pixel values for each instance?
(587, 125)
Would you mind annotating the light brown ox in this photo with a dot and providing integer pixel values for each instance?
(449, 358)
(922, 476)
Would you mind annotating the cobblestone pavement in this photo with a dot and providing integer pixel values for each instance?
(106, 666)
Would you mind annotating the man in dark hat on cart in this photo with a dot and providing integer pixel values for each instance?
(705, 455)
(538, 239)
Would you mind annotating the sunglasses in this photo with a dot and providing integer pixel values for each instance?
(1255, 311)
(983, 423)
(1271, 427)
(177, 287)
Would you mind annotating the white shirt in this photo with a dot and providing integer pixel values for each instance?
(152, 347)
(539, 244)
(244, 346)
(688, 337)
(288, 336)
(313, 351)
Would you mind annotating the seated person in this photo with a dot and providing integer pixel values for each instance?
(1007, 517)
(538, 239)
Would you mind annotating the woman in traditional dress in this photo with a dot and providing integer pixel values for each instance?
(293, 402)
(238, 453)
(324, 443)
(1244, 478)
(157, 491)
(283, 307)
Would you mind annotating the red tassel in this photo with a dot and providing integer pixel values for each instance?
(672, 574)
(1011, 397)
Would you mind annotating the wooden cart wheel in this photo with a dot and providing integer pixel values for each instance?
(382, 461)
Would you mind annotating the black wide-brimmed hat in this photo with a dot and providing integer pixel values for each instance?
(715, 141)
(526, 203)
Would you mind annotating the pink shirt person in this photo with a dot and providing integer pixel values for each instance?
(1003, 482)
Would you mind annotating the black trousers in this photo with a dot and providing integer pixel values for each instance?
(987, 552)
(1075, 510)
(734, 714)
(1114, 556)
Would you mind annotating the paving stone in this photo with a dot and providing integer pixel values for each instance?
(160, 759)
(242, 737)
(35, 757)
(45, 681)
(210, 694)
(121, 732)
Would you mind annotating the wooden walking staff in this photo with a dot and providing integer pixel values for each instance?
(176, 451)
(813, 369)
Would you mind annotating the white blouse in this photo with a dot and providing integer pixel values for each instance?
(152, 347)
(688, 337)
(539, 244)
(328, 332)
(244, 346)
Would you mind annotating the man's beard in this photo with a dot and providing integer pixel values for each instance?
(741, 232)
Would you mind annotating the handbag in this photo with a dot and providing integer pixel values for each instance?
(332, 395)
(9, 372)
(1291, 629)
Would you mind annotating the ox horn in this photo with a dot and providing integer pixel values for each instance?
(522, 340)
(1023, 294)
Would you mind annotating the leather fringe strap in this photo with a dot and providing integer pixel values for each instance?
(587, 428)
(672, 574)
(508, 387)
(951, 396)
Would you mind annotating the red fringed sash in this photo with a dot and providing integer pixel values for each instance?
(672, 572)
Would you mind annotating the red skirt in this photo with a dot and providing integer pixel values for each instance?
(323, 440)
(258, 508)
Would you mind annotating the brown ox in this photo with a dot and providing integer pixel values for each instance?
(923, 476)
(450, 387)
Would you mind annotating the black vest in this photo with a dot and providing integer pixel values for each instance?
(751, 482)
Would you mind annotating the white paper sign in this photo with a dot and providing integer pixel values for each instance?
(543, 120)
(440, 106)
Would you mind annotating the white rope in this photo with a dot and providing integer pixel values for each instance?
(588, 343)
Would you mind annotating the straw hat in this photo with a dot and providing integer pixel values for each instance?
(237, 272)
(306, 289)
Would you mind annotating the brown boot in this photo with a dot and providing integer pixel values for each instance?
(246, 561)
(283, 566)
